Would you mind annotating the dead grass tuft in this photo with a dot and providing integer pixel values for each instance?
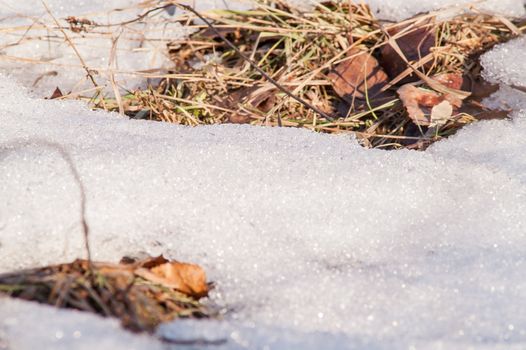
(125, 291)
(212, 84)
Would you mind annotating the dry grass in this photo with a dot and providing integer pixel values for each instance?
(110, 290)
(211, 84)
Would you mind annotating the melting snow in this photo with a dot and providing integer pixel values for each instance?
(400, 9)
(36, 53)
(314, 242)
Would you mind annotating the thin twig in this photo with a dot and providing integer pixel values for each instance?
(113, 64)
(136, 19)
(254, 64)
(17, 144)
(84, 65)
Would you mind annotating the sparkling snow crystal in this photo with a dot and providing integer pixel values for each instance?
(397, 10)
(504, 64)
(313, 241)
(302, 232)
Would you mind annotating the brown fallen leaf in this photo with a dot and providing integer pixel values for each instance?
(261, 97)
(418, 103)
(186, 278)
(415, 44)
(189, 279)
(452, 81)
(479, 87)
(359, 77)
(111, 290)
(147, 262)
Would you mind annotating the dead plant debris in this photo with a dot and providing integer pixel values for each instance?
(142, 294)
(338, 58)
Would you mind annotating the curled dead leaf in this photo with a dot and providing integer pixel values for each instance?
(418, 102)
(430, 108)
(189, 279)
(413, 99)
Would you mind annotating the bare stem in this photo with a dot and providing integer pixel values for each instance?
(17, 144)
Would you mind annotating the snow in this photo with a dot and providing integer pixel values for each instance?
(507, 98)
(398, 10)
(302, 232)
(313, 241)
(37, 54)
(502, 64)
(401, 9)
(31, 326)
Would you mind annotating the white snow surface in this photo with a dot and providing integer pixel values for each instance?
(310, 238)
(313, 241)
(401, 9)
(36, 52)
(31, 326)
(504, 64)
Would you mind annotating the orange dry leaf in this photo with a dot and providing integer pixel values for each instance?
(189, 279)
(412, 98)
(452, 81)
(420, 103)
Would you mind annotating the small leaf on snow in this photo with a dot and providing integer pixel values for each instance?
(56, 94)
